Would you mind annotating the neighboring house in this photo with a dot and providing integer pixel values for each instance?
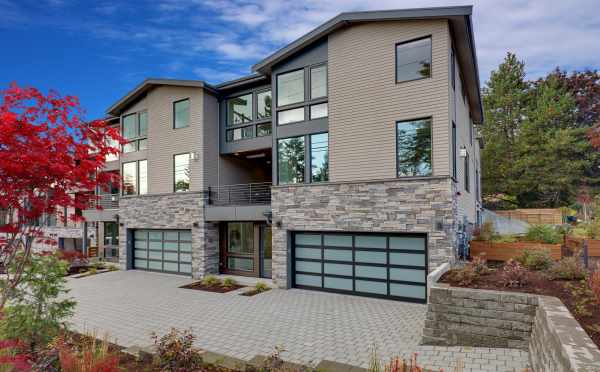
(347, 162)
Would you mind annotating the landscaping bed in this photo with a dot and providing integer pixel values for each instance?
(218, 288)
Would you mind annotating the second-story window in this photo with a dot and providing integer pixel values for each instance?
(413, 147)
(135, 177)
(413, 60)
(181, 172)
(135, 130)
(318, 82)
(263, 105)
(181, 114)
(319, 157)
(290, 160)
(290, 88)
(239, 110)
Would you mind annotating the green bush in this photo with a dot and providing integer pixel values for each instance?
(568, 268)
(37, 309)
(505, 239)
(210, 281)
(229, 282)
(543, 233)
(581, 231)
(261, 287)
(175, 352)
(535, 259)
(486, 232)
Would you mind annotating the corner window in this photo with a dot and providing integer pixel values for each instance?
(239, 134)
(413, 148)
(467, 175)
(181, 172)
(290, 160)
(290, 88)
(319, 157)
(454, 170)
(135, 129)
(239, 109)
(290, 116)
(318, 82)
(135, 178)
(181, 114)
(413, 60)
(318, 111)
(263, 105)
(263, 129)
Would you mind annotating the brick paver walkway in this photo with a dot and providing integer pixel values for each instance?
(310, 326)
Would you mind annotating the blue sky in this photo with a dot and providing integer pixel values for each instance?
(100, 50)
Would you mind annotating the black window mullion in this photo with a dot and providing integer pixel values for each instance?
(322, 261)
(353, 263)
(387, 262)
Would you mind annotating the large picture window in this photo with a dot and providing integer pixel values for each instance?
(181, 114)
(239, 109)
(290, 88)
(413, 60)
(290, 160)
(319, 157)
(413, 147)
(318, 82)
(181, 172)
(135, 178)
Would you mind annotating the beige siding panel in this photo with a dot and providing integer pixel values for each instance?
(210, 139)
(365, 102)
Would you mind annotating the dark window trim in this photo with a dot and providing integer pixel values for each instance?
(309, 149)
(190, 167)
(137, 138)
(453, 143)
(137, 176)
(277, 159)
(189, 112)
(292, 122)
(467, 172)
(430, 36)
(396, 146)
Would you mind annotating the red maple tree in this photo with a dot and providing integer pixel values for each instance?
(50, 158)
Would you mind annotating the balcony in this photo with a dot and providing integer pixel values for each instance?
(241, 194)
(106, 201)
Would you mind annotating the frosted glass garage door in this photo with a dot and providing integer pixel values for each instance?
(168, 251)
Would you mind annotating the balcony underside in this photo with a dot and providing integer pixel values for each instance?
(96, 215)
(237, 213)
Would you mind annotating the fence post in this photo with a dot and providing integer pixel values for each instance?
(585, 253)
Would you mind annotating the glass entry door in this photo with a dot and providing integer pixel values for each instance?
(246, 249)
(266, 242)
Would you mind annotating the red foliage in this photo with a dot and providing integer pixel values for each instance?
(594, 283)
(71, 256)
(12, 353)
(90, 359)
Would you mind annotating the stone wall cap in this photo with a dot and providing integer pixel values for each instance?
(384, 180)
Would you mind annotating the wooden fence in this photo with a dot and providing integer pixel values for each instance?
(505, 251)
(534, 216)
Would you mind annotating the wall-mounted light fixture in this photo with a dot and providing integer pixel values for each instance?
(195, 156)
(463, 152)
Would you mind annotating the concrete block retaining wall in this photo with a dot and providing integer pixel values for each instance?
(484, 318)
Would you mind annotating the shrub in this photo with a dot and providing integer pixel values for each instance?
(479, 264)
(88, 356)
(37, 308)
(594, 283)
(74, 258)
(464, 276)
(580, 232)
(535, 259)
(504, 238)
(486, 232)
(568, 268)
(13, 356)
(175, 351)
(514, 274)
(398, 364)
(210, 281)
(261, 287)
(543, 233)
(229, 282)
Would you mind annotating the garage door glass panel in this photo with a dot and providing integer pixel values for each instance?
(369, 241)
(155, 265)
(141, 244)
(141, 264)
(311, 267)
(371, 257)
(171, 256)
(407, 259)
(308, 253)
(185, 236)
(338, 283)
(184, 257)
(171, 235)
(171, 246)
(408, 243)
(371, 272)
(185, 247)
(407, 275)
(338, 240)
(371, 287)
(155, 235)
(140, 254)
(155, 245)
(155, 255)
(310, 280)
(171, 266)
(405, 290)
(185, 268)
(140, 235)
(308, 239)
(338, 269)
(337, 255)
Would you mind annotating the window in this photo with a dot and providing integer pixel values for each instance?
(318, 111)
(290, 160)
(111, 233)
(467, 175)
(239, 110)
(143, 117)
(130, 147)
(263, 129)
(413, 60)
(319, 157)
(130, 126)
(263, 105)
(413, 147)
(239, 133)
(454, 170)
(114, 144)
(181, 172)
(318, 82)
(135, 178)
(181, 114)
(135, 129)
(290, 116)
(290, 88)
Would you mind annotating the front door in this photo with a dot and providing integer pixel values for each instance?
(245, 249)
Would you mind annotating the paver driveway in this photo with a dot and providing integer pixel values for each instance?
(310, 326)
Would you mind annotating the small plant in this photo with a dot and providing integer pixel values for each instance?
(211, 281)
(535, 259)
(504, 238)
(112, 268)
(228, 283)
(464, 276)
(93, 270)
(89, 355)
(486, 232)
(568, 268)
(479, 264)
(594, 284)
(13, 357)
(175, 351)
(543, 233)
(398, 364)
(582, 296)
(514, 274)
(261, 287)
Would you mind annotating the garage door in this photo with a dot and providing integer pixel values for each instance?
(168, 251)
(377, 265)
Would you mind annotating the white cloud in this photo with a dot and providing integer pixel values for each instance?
(215, 76)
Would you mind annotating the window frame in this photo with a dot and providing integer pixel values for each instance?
(137, 178)
(396, 145)
(467, 172)
(256, 121)
(430, 36)
(303, 136)
(303, 69)
(174, 111)
(174, 172)
(309, 149)
(253, 105)
(310, 81)
(453, 144)
(138, 137)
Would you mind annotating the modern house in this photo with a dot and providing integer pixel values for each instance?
(347, 162)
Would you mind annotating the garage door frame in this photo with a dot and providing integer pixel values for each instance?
(163, 250)
(323, 261)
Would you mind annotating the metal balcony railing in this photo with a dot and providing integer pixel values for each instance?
(241, 194)
(106, 201)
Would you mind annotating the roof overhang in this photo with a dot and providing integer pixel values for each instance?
(242, 82)
(118, 107)
(461, 26)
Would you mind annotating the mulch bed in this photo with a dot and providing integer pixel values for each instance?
(218, 288)
(571, 293)
(253, 292)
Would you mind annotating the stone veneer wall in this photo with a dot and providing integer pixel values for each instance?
(411, 205)
(172, 211)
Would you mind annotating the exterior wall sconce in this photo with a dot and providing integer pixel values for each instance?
(463, 152)
(195, 156)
